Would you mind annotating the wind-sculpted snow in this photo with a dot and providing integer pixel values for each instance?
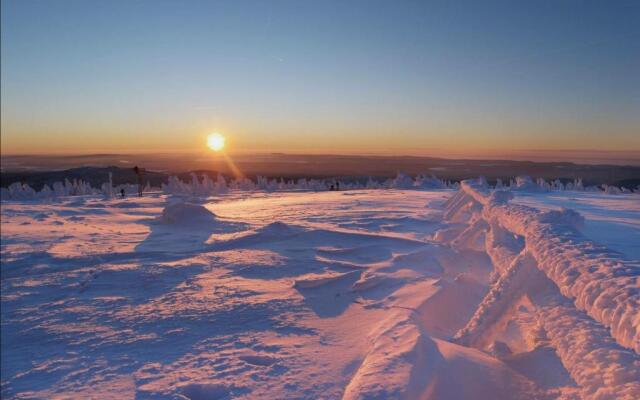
(405, 363)
(186, 214)
(599, 365)
(499, 302)
(261, 289)
(602, 283)
(602, 368)
(598, 281)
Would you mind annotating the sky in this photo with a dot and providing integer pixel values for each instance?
(359, 77)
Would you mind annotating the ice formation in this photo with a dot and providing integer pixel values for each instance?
(587, 299)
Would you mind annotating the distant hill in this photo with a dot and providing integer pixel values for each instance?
(311, 166)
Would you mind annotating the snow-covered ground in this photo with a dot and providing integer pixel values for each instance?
(361, 294)
(610, 220)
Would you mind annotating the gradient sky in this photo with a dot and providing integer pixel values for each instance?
(320, 76)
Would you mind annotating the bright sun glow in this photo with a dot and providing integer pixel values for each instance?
(215, 141)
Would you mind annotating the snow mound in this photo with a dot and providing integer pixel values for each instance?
(278, 229)
(186, 214)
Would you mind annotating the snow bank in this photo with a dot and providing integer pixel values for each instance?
(579, 290)
(600, 282)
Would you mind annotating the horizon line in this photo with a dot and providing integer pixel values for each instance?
(576, 156)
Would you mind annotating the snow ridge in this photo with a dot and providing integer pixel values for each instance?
(601, 282)
(579, 290)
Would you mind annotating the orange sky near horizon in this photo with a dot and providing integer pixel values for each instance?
(321, 77)
(312, 141)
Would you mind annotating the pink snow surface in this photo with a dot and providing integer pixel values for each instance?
(359, 294)
(577, 275)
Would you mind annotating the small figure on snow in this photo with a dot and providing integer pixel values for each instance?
(122, 193)
(138, 172)
(337, 185)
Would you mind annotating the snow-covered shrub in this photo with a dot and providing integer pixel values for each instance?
(609, 189)
(401, 181)
(526, 184)
(428, 182)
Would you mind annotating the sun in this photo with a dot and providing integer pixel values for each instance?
(215, 141)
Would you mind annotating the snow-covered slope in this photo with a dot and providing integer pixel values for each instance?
(360, 294)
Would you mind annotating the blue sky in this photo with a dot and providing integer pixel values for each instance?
(308, 75)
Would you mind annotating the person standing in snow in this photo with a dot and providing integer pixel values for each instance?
(122, 193)
(138, 172)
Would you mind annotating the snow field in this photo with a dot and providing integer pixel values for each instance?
(360, 294)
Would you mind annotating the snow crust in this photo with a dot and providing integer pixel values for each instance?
(269, 290)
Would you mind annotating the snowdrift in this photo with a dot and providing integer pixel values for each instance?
(362, 294)
(186, 214)
(586, 298)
